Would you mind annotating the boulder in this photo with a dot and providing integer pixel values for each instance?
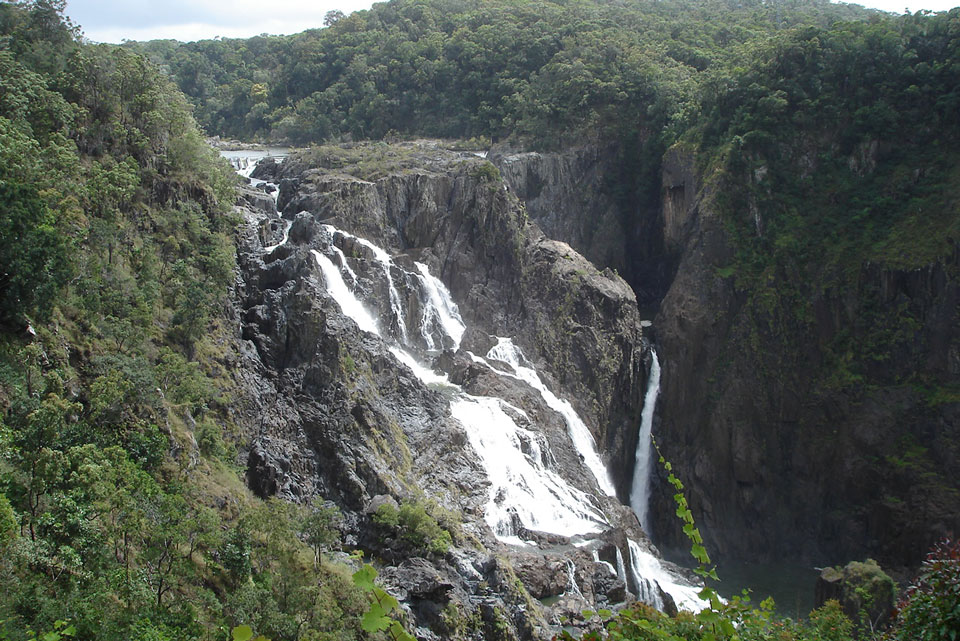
(864, 591)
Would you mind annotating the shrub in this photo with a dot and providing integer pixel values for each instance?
(930, 610)
(415, 526)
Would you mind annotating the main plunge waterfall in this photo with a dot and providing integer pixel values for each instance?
(400, 301)
(640, 492)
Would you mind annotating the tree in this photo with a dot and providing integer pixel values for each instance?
(320, 528)
(332, 17)
(34, 256)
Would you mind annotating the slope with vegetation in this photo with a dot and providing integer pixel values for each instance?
(121, 509)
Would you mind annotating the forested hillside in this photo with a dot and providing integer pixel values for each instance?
(122, 512)
(552, 72)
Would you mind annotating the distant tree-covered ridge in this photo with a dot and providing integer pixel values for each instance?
(465, 68)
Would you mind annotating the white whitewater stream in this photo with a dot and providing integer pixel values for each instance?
(640, 492)
(527, 490)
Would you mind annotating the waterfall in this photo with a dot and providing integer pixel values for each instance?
(510, 354)
(606, 564)
(640, 492)
(572, 587)
(650, 577)
(287, 224)
(526, 489)
(349, 303)
(621, 567)
(442, 312)
(386, 263)
(523, 491)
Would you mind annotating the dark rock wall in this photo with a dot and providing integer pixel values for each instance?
(777, 462)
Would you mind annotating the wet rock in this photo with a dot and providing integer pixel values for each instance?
(542, 576)
(266, 169)
(864, 591)
(608, 584)
(258, 200)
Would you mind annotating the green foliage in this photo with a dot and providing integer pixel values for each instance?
(8, 523)
(829, 148)
(415, 526)
(377, 617)
(116, 243)
(554, 72)
(320, 527)
(930, 609)
(245, 633)
(35, 257)
(486, 172)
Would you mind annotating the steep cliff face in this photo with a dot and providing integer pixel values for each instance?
(586, 196)
(508, 277)
(787, 453)
(392, 324)
(568, 196)
(784, 457)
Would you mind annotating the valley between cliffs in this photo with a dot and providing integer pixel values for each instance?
(396, 302)
(784, 452)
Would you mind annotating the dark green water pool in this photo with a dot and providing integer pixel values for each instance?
(791, 586)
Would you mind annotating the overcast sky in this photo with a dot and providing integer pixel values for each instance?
(116, 20)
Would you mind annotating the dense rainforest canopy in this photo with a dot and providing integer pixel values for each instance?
(462, 69)
(122, 510)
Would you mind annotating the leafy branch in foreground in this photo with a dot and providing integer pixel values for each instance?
(720, 620)
(377, 617)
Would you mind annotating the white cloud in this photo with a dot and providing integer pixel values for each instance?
(113, 21)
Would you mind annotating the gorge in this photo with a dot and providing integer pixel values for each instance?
(473, 423)
(406, 381)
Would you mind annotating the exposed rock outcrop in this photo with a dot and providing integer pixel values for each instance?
(864, 591)
(331, 411)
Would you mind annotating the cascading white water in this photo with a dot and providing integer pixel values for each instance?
(524, 489)
(442, 312)
(344, 265)
(572, 587)
(349, 303)
(606, 564)
(386, 263)
(621, 567)
(510, 354)
(287, 224)
(640, 492)
(649, 573)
